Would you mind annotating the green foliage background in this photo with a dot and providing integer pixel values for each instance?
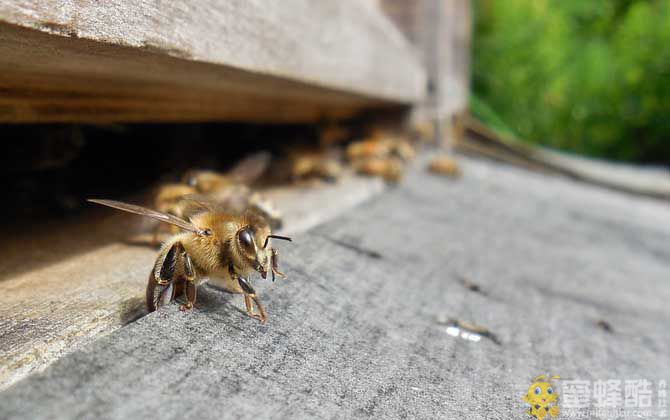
(589, 76)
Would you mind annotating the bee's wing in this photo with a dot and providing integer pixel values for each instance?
(198, 202)
(143, 211)
(250, 168)
(214, 203)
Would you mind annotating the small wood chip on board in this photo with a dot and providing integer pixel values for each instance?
(445, 165)
(604, 325)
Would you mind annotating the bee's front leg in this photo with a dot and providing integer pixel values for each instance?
(250, 299)
(275, 265)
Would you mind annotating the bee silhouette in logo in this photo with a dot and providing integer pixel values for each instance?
(542, 398)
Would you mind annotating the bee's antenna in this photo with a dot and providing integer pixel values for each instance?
(283, 238)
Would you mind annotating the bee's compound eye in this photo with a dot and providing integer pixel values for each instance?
(550, 390)
(538, 391)
(246, 240)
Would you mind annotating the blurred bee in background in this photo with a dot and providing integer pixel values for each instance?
(382, 154)
(214, 244)
(230, 190)
(306, 163)
(445, 165)
(388, 168)
(168, 197)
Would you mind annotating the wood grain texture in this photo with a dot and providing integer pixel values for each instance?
(233, 60)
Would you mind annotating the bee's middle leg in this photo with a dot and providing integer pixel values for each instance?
(190, 293)
(190, 285)
(250, 299)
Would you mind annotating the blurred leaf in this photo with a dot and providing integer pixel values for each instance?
(591, 77)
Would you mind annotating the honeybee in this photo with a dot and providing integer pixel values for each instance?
(381, 144)
(303, 163)
(245, 172)
(389, 168)
(168, 196)
(315, 164)
(445, 165)
(370, 148)
(381, 154)
(213, 244)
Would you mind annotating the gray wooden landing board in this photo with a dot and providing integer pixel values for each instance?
(351, 335)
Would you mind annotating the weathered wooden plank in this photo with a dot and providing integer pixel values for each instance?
(481, 140)
(440, 30)
(453, 69)
(235, 60)
(354, 336)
